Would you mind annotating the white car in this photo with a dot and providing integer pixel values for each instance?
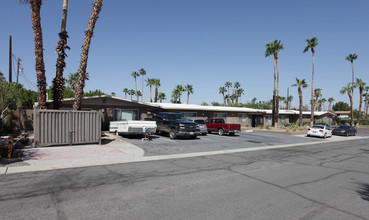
(319, 131)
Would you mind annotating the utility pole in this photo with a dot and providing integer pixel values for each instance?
(18, 69)
(10, 58)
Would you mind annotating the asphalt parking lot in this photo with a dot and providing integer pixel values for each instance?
(163, 145)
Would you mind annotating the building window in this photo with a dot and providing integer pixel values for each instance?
(220, 115)
(268, 118)
(189, 114)
(242, 117)
(282, 118)
(125, 114)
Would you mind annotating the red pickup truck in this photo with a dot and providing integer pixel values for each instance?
(218, 125)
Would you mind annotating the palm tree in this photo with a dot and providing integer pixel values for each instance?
(301, 84)
(135, 74)
(321, 104)
(39, 49)
(361, 85)
(223, 90)
(139, 93)
(131, 92)
(125, 91)
(273, 48)
(96, 8)
(189, 90)
(317, 96)
(348, 89)
(240, 92)
(330, 101)
(312, 43)
(142, 73)
(282, 99)
(176, 94)
(73, 81)
(366, 100)
(59, 80)
(289, 100)
(235, 88)
(113, 94)
(228, 85)
(161, 96)
(351, 58)
(157, 85)
(150, 83)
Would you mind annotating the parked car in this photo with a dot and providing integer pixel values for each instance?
(218, 125)
(175, 124)
(132, 127)
(319, 131)
(202, 126)
(345, 130)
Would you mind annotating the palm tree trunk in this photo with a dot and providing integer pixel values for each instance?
(360, 104)
(96, 8)
(39, 51)
(366, 106)
(156, 94)
(353, 77)
(277, 92)
(142, 88)
(224, 100)
(136, 88)
(188, 98)
(59, 81)
(352, 108)
(300, 107)
(312, 94)
(150, 94)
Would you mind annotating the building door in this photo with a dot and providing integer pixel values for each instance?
(257, 120)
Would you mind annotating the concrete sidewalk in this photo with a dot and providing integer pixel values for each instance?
(49, 158)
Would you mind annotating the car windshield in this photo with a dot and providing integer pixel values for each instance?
(177, 117)
(200, 121)
(319, 127)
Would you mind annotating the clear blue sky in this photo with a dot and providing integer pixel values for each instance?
(200, 42)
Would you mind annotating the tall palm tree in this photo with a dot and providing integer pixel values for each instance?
(351, 58)
(361, 85)
(142, 73)
(289, 100)
(96, 8)
(366, 100)
(223, 90)
(39, 49)
(157, 85)
(282, 99)
(161, 96)
(189, 90)
(235, 88)
(139, 93)
(150, 83)
(59, 80)
(240, 92)
(312, 43)
(348, 89)
(228, 85)
(317, 96)
(125, 91)
(273, 48)
(135, 74)
(330, 101)
(301, 84)
(322, 102)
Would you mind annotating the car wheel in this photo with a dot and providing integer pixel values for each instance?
(172, 134)
(354, 134)
(347, 134)
(221, 131)
(116, 133)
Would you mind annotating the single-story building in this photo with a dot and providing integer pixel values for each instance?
(115, 109)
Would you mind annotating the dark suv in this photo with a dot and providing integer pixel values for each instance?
(175, 124)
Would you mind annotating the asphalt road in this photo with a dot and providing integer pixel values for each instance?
(163, 145)
(325, 181)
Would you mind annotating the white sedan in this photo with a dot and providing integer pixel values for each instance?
(319, 131)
